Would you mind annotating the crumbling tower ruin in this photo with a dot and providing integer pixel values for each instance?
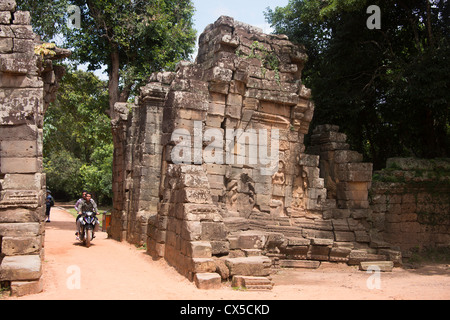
(28, 83)
(214, 169)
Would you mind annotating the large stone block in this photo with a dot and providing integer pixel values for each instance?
(20, 106)
(12, 246)
(193, 195)
(249, 266)
(208, 281)
(199, 249)
(251, 240)
(355, 172)
(20, 229)
(300, 264)
(321, 253)
(6, 44)
(7, 5)
(23, 31)
(23, 288)
(19, 63)
(16, 132)
(198, 212)
(383, 266)
(213, 231)
(358, 256)
(20, 148)
(202, 265)
(345, 156)
(21, 268)
(22, 17)
(21, 215)
(5, 17)
(252, 283)
(19, 165)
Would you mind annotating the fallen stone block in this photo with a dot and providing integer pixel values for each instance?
(252, 283)
(208, 281)
(23, 288)
(358, 256)
(383, 266)
(301, 264)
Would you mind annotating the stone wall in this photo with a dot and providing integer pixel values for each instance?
(411, 202)
(218, 121)
(28, 82)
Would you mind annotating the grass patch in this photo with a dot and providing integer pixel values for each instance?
(5, 289)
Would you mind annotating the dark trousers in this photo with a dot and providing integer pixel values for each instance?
(47, 212)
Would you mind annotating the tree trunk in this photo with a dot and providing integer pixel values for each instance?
(113, 85)
(118, 128)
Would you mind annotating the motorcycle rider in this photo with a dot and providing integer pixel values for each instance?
(86, 205)
(83, 196)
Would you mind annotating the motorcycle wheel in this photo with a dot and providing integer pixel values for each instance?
(88, 238)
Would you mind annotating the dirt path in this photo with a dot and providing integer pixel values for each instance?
(112, 270)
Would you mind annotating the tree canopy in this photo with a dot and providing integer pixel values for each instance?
(132, 38)
(388, 89)
(78, 145)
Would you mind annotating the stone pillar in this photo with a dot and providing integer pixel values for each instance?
(189, 228)
(27, 84)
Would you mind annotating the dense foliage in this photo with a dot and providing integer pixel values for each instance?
(388, 89)
(77, 139)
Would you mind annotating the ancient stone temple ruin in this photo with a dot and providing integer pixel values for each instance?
(213, 174)
(28, 83)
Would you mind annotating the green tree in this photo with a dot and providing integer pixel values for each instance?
(133, 39)
(78, 144)
(388, 89)
(76, 121)
(49, 17)
(62, 170)
(96, 176)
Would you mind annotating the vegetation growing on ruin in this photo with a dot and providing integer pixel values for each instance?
(45, 49)
(269, 60)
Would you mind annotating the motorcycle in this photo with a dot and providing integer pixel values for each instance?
(88, 223)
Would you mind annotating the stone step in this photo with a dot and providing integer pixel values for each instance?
(252, 252)
(208, 281)
(248, 240)
(383, 266)
(252, 283)
(249, 266)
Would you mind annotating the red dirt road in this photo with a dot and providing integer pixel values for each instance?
(113, 270)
